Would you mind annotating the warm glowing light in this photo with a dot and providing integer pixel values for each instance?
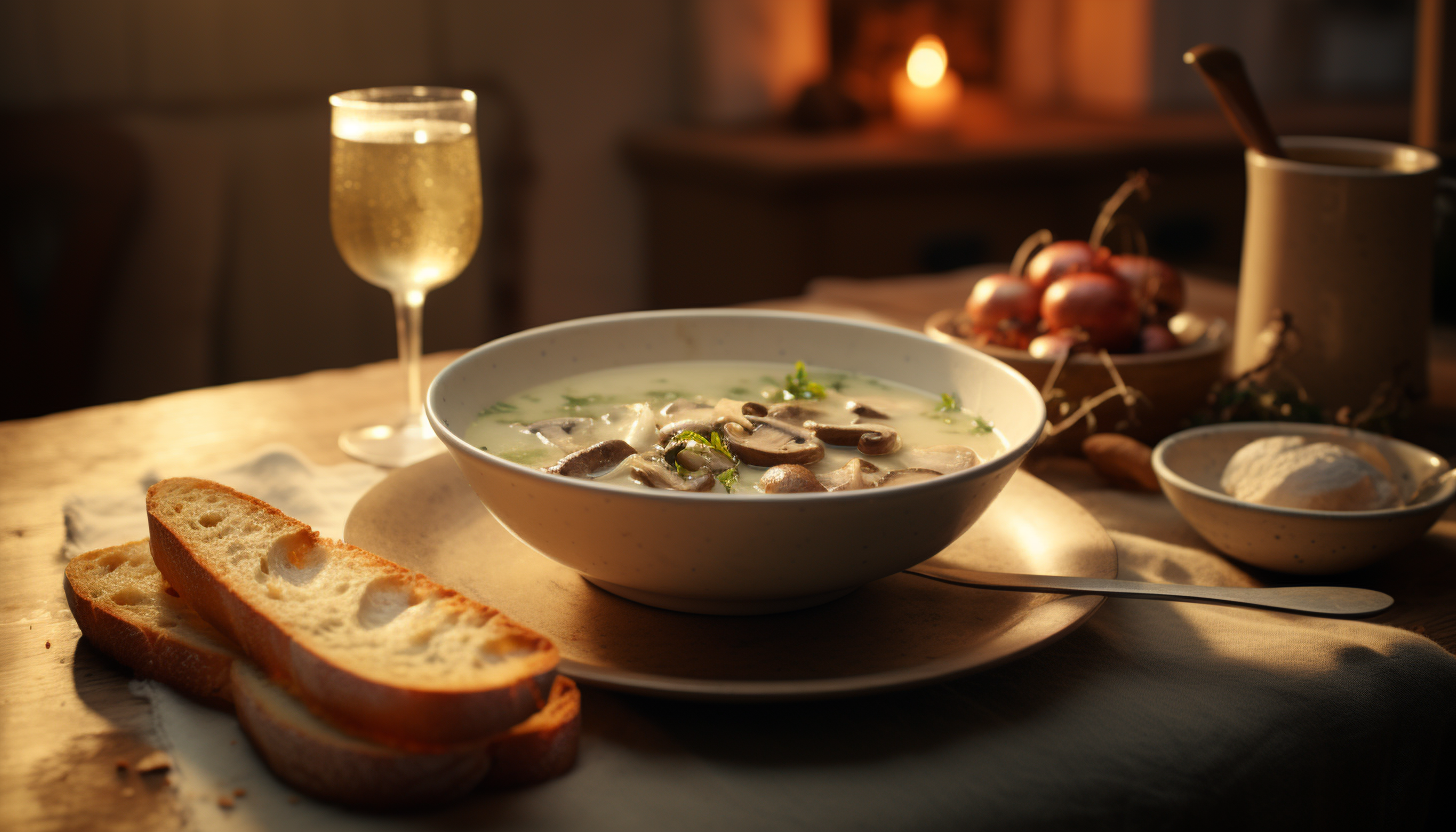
(421, 137)
(927, 95)
(348, 129)
(927, 62)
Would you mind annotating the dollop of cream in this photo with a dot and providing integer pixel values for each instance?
(1294, 472)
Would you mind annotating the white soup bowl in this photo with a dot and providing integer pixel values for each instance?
(743, 553)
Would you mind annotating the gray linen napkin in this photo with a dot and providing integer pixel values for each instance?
(1152, 715)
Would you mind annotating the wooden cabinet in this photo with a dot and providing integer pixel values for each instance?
(733, 216)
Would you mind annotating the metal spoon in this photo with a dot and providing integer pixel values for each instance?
(1329, 601)
(1431, 486)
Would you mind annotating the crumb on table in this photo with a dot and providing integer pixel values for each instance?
(154, 762)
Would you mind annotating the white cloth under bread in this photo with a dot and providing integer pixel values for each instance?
(279, 475)
(1152, 715)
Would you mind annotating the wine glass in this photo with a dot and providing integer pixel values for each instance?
(405, 206)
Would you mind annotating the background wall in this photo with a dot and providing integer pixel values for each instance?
(230, 272)
(205, 124)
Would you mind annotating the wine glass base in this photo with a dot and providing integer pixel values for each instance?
(391, 446)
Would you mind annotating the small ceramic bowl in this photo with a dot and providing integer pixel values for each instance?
(1176, 383)
(1190, 465)
(742, 553)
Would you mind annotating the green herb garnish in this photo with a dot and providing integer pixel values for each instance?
(798, 386)
(729, 478)
(498, 407)
(579, 402)
(714, 440)
(949, 402)
(954, 416)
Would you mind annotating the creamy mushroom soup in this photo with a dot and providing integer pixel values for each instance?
(740, 427)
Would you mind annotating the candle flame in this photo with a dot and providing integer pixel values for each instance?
(927, 62)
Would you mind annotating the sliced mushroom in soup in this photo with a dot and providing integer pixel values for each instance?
(721, 426)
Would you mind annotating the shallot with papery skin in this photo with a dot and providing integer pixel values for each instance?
(1052, 345)
(1100, 305)
(1004, 310)
(1113, 302)
(1062, 258)
(1156, 337)
(1156, 285)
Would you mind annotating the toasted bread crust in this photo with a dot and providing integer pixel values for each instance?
(542, 747)
(317, 760)
(391, 711)
(193, 659)
(320, 761)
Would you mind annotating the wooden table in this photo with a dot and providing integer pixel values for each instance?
(66, 716)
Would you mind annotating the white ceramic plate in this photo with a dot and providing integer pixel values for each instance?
(898, 632)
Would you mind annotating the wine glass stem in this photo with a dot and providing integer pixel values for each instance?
(408, 314)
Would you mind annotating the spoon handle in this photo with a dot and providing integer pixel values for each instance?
(1329, 601)
(1223, 70)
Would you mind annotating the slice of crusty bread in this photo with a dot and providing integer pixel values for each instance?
(379, 650)
(318, 759)
(543, 746)
(126, 609)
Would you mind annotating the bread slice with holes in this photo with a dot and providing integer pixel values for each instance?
(379, 650)
(126, 609)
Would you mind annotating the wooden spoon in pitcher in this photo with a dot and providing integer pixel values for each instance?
(1223, 71)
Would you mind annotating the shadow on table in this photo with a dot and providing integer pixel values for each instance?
(1152, 715)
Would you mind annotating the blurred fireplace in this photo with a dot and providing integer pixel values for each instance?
(1063, 99)
(870, 39)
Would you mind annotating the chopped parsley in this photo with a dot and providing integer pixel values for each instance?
(579, 402)
(714, 440)
(666, 395)
(797, 385)
(496, 409)
(729, 478)
(950, 413)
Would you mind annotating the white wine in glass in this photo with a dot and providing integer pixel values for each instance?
(404, 203)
